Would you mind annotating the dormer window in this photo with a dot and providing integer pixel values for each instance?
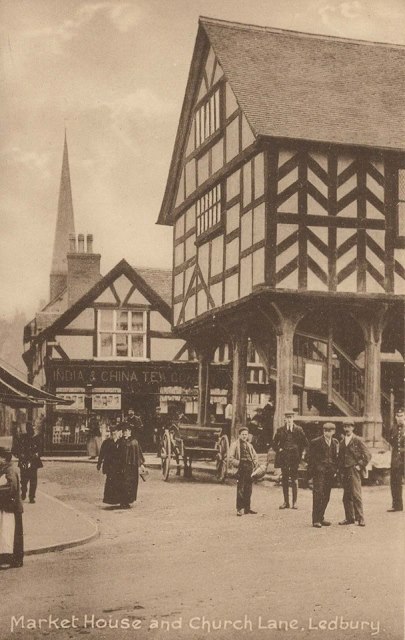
(121, 334)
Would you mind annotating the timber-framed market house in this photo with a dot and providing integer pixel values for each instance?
(286, 192)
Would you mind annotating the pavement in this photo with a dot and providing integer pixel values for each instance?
(52, 525)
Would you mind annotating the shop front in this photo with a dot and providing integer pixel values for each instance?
(108, 391)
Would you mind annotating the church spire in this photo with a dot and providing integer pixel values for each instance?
(65, 225)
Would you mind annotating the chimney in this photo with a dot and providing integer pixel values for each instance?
(89, 243)
(83, 267)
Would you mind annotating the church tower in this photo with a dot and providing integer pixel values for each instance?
(65, 226)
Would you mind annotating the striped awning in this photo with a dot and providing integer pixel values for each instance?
(17, 393)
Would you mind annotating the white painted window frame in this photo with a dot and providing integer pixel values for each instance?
(114, 332)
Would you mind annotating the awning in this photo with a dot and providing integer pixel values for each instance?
(14, 399)
(17, 393)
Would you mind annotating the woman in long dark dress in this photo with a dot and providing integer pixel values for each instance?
(109, 461)
(132, 462)
(12, 506)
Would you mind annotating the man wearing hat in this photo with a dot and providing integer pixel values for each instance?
(322, 467)
(289, 443)
(352, 460)
(28, 450)
(134, 420)
(397, 442)
(243, 457)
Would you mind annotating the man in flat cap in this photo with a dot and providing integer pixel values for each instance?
(353, 460)
(397, 442)
(322, 467)
(243, 457)
(289, 443)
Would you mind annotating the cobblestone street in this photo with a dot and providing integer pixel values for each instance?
(180, 558)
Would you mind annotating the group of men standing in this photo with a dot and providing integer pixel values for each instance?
(121, 460)
(327, 458)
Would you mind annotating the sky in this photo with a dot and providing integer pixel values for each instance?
(113, 73)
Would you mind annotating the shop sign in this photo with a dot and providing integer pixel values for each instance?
(131, 377)
(313, 376)
(107, 401)
(76, 396)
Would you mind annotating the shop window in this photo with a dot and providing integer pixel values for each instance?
(121, 334)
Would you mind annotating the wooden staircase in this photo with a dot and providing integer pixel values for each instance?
(347, 377)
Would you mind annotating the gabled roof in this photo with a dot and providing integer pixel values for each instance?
(58, 304)
(300, 85)
(160, 280)
(303, 86)
(154, 284)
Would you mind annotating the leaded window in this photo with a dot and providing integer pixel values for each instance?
(207, 119)
(121, 334)
(209, 210)
(401, 203)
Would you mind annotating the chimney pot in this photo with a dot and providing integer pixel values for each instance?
(80, 243)
(90, 243)
(72, 243)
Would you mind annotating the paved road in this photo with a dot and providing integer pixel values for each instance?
(182, 558)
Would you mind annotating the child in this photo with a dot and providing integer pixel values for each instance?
(244, 458)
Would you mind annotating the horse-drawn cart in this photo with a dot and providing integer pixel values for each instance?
(188, 442)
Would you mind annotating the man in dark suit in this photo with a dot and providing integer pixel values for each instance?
(135, 422)
(353, 460)
(28, 451)
(289, 443)
(397, 442)
(322, 467)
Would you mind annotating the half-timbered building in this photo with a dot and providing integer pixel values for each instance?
(286, 192)
(105, 343)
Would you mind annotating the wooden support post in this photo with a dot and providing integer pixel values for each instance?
(204, 359)
(392, 406)
(373, 324)
(239, 381)
(372, 390)
(284, 395)
(288, 320)
(330, 362)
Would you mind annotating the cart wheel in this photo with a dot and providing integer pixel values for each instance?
(165, 455)
(222, 458)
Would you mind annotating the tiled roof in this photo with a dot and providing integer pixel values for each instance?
(160, 280)
(58, 305)
(313, 87)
